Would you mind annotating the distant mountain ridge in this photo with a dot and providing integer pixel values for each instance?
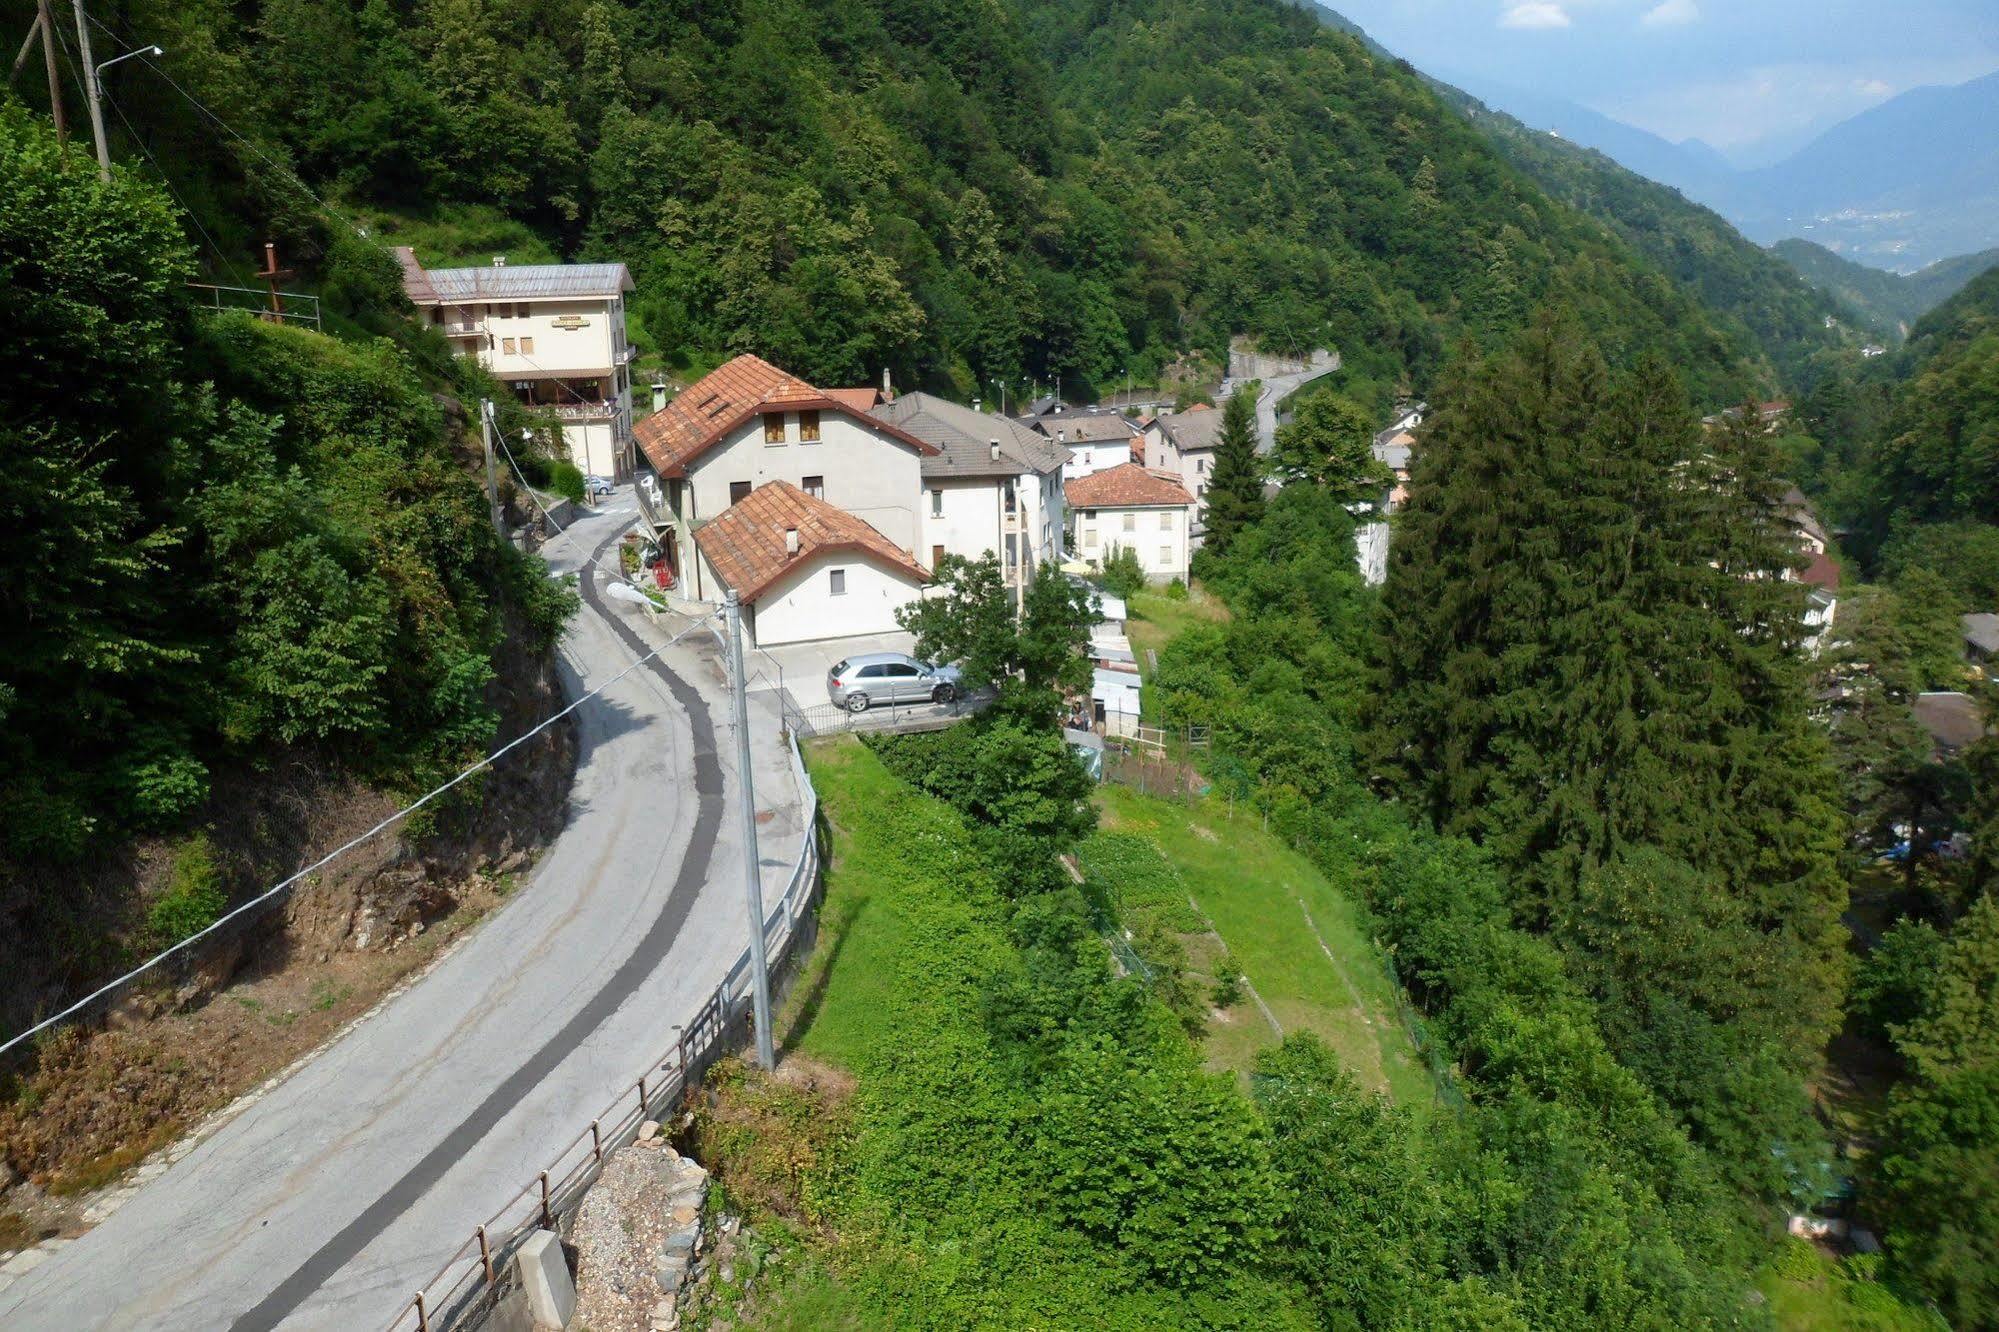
(1900, 186)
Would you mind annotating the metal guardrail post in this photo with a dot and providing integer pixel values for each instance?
(596, 1143)
(485, 1256)
(547, 1221)
(422, 1319)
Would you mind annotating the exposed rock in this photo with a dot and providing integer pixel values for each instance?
(636, 1237)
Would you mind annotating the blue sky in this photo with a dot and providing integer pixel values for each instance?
(1753, 78)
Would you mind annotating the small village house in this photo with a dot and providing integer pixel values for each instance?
(1096, 441)
(1184, 444)
(553, 333)
(1981, 638)
(993, 485)
(1127, 506)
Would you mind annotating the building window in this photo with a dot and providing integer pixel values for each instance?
(1166, 520)
(774, 428)
(808, 427)
(837, 582)
(738, 491)
(1131, 522)
(507, 346)
(1012, 550)
(1012, 503)
(815, 486)
(937, 503)
(437, 314)
(936, 556)
(527, 346)
(1166, 557)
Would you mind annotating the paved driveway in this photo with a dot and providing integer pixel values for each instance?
(329, 1200)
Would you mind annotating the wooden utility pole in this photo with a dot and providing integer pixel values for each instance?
(271, 273)
(43, 30)
(93, 97)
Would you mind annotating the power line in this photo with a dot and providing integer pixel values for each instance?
(165, 180)
(324, 860)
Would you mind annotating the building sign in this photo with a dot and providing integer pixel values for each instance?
(570, 322)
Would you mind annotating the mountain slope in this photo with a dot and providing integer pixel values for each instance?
(960, 194)
(1891, 301)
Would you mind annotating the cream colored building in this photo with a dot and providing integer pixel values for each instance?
(553, 333)
(1149, 513)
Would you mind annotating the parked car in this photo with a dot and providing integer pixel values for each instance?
(861, 681)
(598, 486)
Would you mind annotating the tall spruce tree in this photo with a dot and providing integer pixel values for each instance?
(1235, 491)
(1588, 654)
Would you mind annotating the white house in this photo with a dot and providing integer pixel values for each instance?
(805, 569)
(1096, 440)
(1184, 444)
(1128, 506)
(749, 424)
(554, 333)
(993, 485)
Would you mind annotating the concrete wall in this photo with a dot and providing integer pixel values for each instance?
(1158, 535)
(800, 608)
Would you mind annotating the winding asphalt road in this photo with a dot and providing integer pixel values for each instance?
(325, 1202)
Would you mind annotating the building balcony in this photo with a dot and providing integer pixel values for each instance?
(583, 411)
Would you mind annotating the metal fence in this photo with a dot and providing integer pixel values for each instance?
(885, 718)
(478, 1275)
(292, 307)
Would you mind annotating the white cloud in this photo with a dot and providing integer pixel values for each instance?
(1872, 87)
(1535, 14)
(1671, 14)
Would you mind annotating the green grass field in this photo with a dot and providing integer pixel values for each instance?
(1295, 935)
(1157, 618)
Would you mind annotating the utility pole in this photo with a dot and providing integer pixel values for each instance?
(93, 93)
(753, 887)
(45, 22)
(272, 274)
(492, 481)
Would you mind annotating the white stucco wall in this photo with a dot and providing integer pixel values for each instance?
(800, 608)
(594, 447)
(1095, 456)
(973, 518)
(868, 473)
(1159, 535)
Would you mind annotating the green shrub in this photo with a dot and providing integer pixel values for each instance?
(1122, 575)
(193, 899)
(166, 788)
(565, 478)
(1177, 590)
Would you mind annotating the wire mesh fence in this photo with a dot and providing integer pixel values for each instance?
(478, 1275)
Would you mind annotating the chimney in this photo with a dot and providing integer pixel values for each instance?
(499, 261)
(888, 390)
(993, 445)
(791, 541)
(659, 395)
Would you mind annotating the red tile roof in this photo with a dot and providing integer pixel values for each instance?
(746, 544)
(1126, 486)
(708, 410)
(856, 399)
(1821, 572)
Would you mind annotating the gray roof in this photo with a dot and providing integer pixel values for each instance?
(510, 282)
(1982, 632)
(1083, 427)
(964, 438)
(1193, 430)
(1394, 456)
(1951, 718)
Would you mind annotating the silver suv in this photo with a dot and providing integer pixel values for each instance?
(889, 677)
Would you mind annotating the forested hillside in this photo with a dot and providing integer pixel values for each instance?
(1754, 294)
(961, 194)
(1890, 301)
(229, 545)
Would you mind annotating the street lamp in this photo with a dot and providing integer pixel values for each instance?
(142, 51)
